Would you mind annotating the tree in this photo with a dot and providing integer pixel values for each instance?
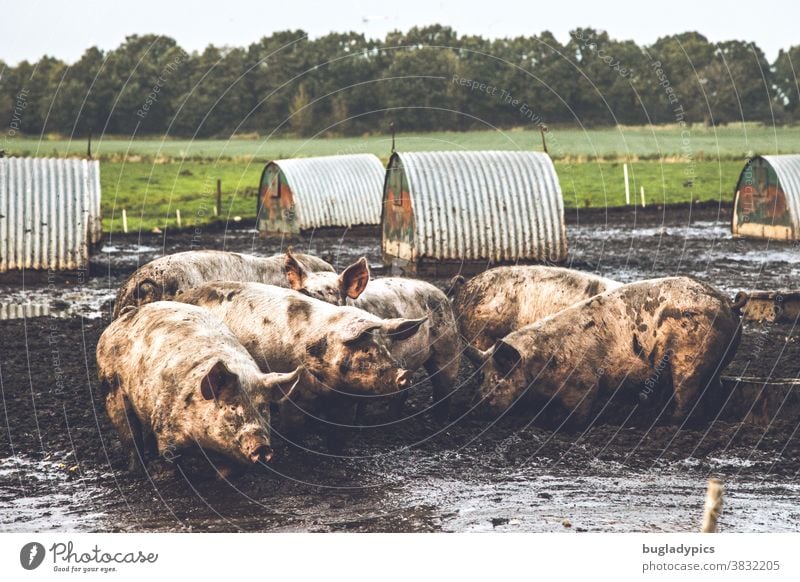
(300, 113)
(426, 78)
(787, 87)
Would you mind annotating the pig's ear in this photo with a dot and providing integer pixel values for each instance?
(281, 385)
(294, 271)
(354, 279)
(401, 329)
(220, 383)
(476, 356)
(148, 291)
(355, 330)
(506, 357)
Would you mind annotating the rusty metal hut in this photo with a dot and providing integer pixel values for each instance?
(767, 198)
(443, 211)
(330, 191)
(49, 213)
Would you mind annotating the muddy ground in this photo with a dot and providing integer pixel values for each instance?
(61, 467)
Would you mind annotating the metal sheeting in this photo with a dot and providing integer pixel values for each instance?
(341, 191)
(485, 205)
(49, 212)
(788, 170)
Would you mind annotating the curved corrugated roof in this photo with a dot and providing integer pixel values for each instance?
(788, 170)
(49, 212)
(477, 205)
(335, 190)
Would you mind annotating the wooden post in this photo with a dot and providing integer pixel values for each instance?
(178, 216)
(713, 506)
(643, 203)
(218, 207)
(124, 221)
(627, 185)
(543, 130)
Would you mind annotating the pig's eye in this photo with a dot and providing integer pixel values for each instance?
(305, 292)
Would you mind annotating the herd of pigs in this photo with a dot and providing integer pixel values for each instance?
(205, 346)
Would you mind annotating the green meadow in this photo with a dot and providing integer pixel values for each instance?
(153, 178)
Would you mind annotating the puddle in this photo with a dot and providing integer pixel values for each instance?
(56, 301)
(542, 501)
(45, 496)
(700, 230)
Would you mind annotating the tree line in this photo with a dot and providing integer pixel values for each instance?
(425, 79)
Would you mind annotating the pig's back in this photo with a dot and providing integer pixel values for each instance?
(174, 274)
(268, 321)
(504, 299)
(166, 345)
(390, 297)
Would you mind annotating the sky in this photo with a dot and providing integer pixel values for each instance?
(64, 30)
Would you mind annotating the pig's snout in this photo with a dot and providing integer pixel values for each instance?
(404, 378)
(256, 449)
(262, 454)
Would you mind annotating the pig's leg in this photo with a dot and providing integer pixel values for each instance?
(578, 396)
(442, 378)
(691, 378)
(292, 421)
(443, 367)
(341, 413)
(128, 428)
(397, 404)
(227, 469)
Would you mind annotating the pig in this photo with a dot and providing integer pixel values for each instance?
(166, 277)
(342, 349)
(175, 378)
(674, 335)
(499, 301)
(437, 348)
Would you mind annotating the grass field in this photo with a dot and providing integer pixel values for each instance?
(153, 178)
(151, 193)
(731, 142)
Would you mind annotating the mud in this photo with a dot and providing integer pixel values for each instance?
(61, 467)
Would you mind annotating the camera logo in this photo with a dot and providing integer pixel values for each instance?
(31, 555)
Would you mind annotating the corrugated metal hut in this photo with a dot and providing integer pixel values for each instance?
(330, 191)
(443, 210)
(767, 198)
(49, 213)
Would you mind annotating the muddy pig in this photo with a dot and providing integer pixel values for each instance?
(175, 378)
(166, 277)
(504, 299)
(674, 335)
(436, 348)
(343, 349)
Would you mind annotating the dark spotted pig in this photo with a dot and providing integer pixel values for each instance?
(504, 299)
(175, 378)
(673, 334)
(343, 349)
(166, 277)
(437, 348)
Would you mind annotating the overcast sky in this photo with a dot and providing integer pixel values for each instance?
(31, 28)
